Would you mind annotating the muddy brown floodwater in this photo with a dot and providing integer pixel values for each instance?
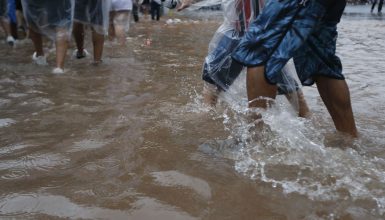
(130, 139)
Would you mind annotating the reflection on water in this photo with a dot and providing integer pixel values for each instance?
(131, 139)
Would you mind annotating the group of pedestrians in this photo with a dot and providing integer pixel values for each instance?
(302, 30)
(374, 3)
(59, 20)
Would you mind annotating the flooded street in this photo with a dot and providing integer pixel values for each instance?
(131, 139)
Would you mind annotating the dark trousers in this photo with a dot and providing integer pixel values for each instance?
(135, 10)
(155, 10)
(379, 5)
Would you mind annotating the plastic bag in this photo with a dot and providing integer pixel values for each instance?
(94, 13)
(47, 17)
(219, 68)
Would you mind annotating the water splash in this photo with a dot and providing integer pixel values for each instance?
(296, 155)
(289, 153)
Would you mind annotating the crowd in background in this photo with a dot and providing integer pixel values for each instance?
(58, 20)
(63, 20)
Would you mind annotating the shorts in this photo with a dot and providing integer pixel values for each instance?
(221, 70)
(286, 29)
(3, 8)
(121, 5)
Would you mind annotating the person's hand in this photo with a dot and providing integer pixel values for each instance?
(184, 4)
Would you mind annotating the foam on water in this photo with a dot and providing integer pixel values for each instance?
(174, 178)
(4, 122)
(62, 207)
(87, 145)
(297, 155)
(292, 154)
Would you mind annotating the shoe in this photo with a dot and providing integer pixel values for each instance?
(79, 55)
(39, 60)
(58, 70)
(10, 40)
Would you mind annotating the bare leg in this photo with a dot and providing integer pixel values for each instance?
(78, 31)
(121, 23)
(335, 94)
(111, 28)
(210, 94)
(298, 101)
(19, 18)
(37, 41)
(5, 24)
(303, 110)
(61, 47)
(21, 26)
(259, 91)
(98, 43)
(120, 33)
